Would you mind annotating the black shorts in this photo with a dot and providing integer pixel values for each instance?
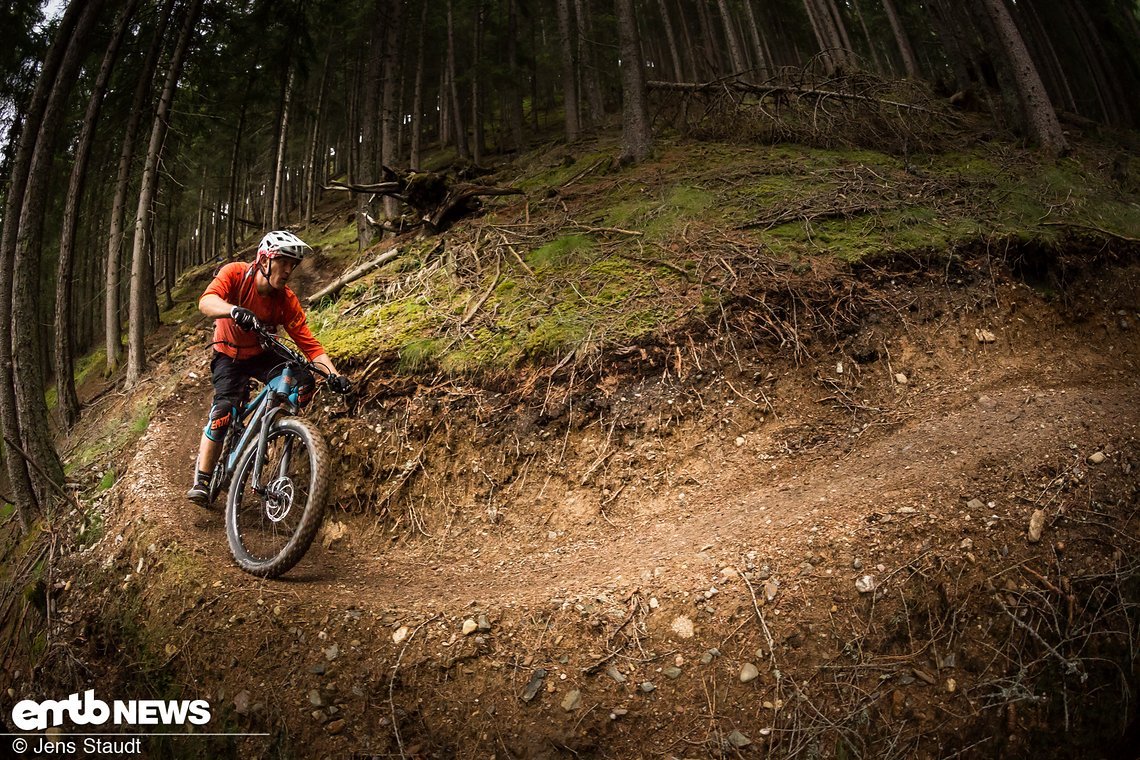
(231, 377)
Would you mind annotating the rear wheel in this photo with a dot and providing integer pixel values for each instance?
(269, 532)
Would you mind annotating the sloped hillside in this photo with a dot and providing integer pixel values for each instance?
(744, 451)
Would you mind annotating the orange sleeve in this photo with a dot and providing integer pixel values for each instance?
(297, 325)
(226, 282)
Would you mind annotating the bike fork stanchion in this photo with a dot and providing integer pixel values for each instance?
(286, 455)
(263, 444)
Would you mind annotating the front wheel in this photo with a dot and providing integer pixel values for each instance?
(269, 532)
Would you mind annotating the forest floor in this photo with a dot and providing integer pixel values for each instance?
(718, 548)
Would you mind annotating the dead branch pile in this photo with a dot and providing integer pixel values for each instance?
(435, 199)
(812, 107)
(861, 191)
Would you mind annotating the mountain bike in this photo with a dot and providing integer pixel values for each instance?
(275, 467)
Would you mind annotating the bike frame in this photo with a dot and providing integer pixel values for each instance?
(277, 397)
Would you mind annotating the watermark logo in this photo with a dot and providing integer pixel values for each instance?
(29, 715)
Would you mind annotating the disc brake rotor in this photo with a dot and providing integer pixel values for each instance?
(278, 499)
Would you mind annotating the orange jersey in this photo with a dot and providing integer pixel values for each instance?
(278, 309)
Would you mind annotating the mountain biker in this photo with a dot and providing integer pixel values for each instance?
(241, 298)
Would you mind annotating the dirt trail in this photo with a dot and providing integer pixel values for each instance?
(998, 412)
(931, 480)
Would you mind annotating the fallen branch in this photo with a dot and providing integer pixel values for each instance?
(806, 214)
(766, 91)
(379, 188)
(458, 197)
(68, 497)
(1092, 228)
(657, 262)
(474, 308)
(332, 289)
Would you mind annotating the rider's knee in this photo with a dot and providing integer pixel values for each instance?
(219, 421)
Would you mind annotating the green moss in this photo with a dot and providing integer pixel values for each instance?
(181, 312)
(113, 433)
(96, 361)
(139, 423)
(585, 294)
(566, 170)
(91, 529)
(336, 242)
(559, 252)
(383, 327)
(421, 353)
(107, 480)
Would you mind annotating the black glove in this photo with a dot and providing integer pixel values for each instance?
(339, 384)
(244, 318)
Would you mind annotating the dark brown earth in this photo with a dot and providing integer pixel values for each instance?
(639, 517)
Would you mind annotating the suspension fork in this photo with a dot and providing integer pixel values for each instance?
(271, 414)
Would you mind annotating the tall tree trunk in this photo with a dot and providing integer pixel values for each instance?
(142, 281)
(368, 169)
(453, 86)
(23, 493)
(735, 53)
(870, 40)
(637, 140)
(713, 54)
(674, 52)
(168, 265)
(905, 50)
(112, 321)
(68, 400)
(569, 70)
(513, 95)
(759, 46)
(418, 94)
(390, 108)
(235, 155)
(829, 31)
(314, 174)
(821, 39)
(956, 49)
(1061, 81)
(28, 347)
(691, 64)
(279, 162)
(1104, 73)
(840, 26)
(1040, 117)
(352, 122)
(478, 141)
(587, 62)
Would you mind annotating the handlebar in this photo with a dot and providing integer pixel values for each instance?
(271, 342)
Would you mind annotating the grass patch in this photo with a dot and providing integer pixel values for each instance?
(388, 326)
(116, 431)
(107, 480)
(557, 176)
(96, 361)
(139, 424)
(181, 312)
(559, 252)
(336, 241)
(685, 202)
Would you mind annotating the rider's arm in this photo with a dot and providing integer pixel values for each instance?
(324, 362)
(214, 306)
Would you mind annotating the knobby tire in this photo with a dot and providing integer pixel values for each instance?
(239, 514)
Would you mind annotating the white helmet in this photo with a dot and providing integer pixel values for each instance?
(282, 243)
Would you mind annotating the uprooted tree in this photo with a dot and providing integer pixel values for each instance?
(435, 199)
